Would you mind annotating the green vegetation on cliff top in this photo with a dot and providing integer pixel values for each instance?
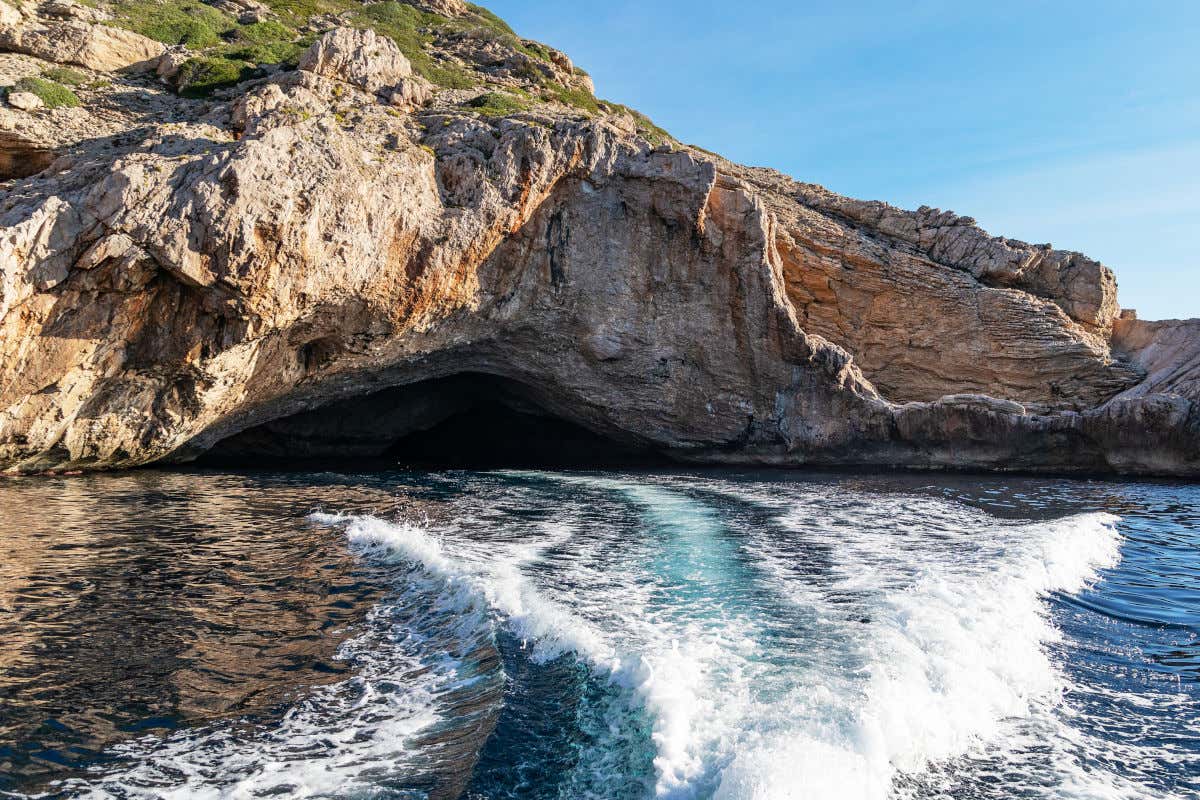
(228, 51)
(186, 22)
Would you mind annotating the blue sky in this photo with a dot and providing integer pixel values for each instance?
(1076, 123)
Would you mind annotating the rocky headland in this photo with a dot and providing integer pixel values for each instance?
(313, 228)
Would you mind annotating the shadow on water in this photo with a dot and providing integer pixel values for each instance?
(146, 602)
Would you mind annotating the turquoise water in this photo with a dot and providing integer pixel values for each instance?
(610, 635)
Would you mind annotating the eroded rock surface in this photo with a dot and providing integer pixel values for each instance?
(188, 270)
(360, 57)
(94, 46)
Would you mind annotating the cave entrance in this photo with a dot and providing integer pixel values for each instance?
(466, 421)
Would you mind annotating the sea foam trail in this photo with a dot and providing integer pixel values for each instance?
(955, 684)
(946, 661)
(930, 644)
(667, 668)
(931, 655)
(479, 576)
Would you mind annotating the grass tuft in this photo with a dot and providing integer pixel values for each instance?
(491, 20)
(66, 76)
(483, 24)
(268, 32)
(53, 95)
(298, 12)
(287, 53)
(449, 76)
(579, 98)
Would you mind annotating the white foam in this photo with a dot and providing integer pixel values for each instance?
(950, 652)
(669, 670)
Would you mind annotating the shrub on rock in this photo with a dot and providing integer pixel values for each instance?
(52, 95)
(200, 77)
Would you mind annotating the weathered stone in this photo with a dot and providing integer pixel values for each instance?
(1168, 352)
(411, 93)
(244, 11)
(22, 152)
(1085, 289)
(358, 57)
(97, 47)
(70, 10)
(447, 8)
(25, 101)
(9, 16)
(171, 62)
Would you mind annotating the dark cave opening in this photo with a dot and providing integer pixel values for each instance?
(468, 421)
(495, 436)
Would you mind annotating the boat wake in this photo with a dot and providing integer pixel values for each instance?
(683, 639)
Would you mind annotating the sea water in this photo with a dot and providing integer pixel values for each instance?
(524, 634)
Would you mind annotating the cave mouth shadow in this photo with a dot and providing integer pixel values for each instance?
(464, 422)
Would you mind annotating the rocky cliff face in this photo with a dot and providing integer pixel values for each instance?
(384, 196)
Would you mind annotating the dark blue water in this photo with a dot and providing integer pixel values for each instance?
(553, 635)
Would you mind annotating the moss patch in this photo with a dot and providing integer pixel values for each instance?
(200, 77)
(53, 95)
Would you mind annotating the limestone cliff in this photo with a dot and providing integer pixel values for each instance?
(215, 233)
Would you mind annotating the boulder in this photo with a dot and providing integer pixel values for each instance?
(70, 10)
(25, 101)
(447, 8)
(411, 94)
(171, 62)
(9, 16)
(361, 58)
(98, 47)
(244, 11)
